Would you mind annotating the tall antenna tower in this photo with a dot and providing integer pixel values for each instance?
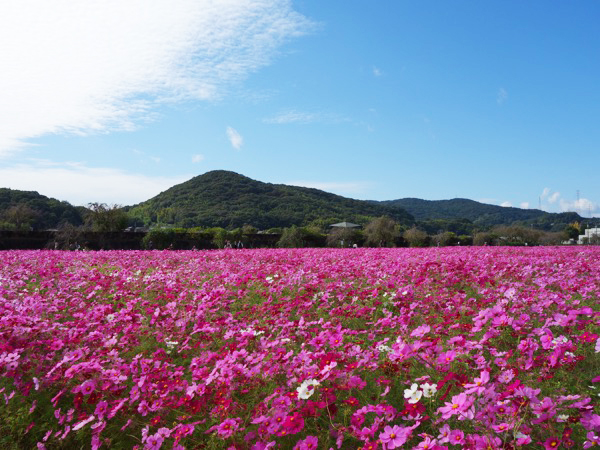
(540, 202)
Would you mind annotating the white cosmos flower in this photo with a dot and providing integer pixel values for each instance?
(429, 390)
(307, 388)
(413, 394)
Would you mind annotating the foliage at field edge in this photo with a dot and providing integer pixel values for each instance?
(438, 348)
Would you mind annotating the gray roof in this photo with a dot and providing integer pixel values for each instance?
(345, 225)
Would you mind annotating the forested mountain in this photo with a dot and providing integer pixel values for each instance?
(226, 199)
(229, 200)
(482, 215)
(26, 209)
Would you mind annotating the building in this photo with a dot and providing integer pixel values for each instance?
(591, 234)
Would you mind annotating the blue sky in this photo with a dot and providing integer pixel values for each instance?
(116, 101)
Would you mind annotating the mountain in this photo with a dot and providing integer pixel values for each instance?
(30, 209)
(226, 199)
(482, 215)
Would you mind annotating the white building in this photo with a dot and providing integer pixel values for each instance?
(589, 233)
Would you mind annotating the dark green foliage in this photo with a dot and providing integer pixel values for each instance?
(228, 200)
(30, 209)
(481, 215)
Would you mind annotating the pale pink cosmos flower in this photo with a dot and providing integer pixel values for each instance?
(428, 444)
(444, 435)
(420, 331)
(478, 386)
(460, 404)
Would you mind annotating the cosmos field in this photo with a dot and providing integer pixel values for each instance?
(437, 348)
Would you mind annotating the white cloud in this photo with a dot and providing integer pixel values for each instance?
(506, 204)
(524, 205)
(545, 193)
(340, 188)
(377, 72)
(235, 138)
(197, 158)
(80, 184)
(583, 206)
(502, 96)
(103, 65)
(553, 197)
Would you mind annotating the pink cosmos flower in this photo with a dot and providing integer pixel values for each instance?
(551, 443)
(459, 405)
(394, 436)
(227, 428)
(420, 331)
(446, 357)
(457, 437)
(101, 409)
(88, 387)
(310, 443)
(154, 442)
(293, 424)
(143, 408)
(592, 440)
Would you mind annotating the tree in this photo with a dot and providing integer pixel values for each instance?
(105, 218)
(66, 237)
(21, 216)
(444, 239)
(416, 237)
(484, 238)
(381, 232)
(291, 238)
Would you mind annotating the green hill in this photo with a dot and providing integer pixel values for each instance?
(482, 215)
(24, 209)
(226, 199)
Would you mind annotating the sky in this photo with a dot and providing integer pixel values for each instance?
(115, 101)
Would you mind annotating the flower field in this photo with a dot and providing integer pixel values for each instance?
(438, 348)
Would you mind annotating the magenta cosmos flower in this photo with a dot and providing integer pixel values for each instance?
(394, 436)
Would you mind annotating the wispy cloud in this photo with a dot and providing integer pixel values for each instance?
(501, 96)
(506, 204)
(80, 184)
(197, 158)
(235, 138)
(342, 188)
(105, 65)
(377, 72)
(143, 156)
(303, 117)
(292, 116)
(524, 205)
